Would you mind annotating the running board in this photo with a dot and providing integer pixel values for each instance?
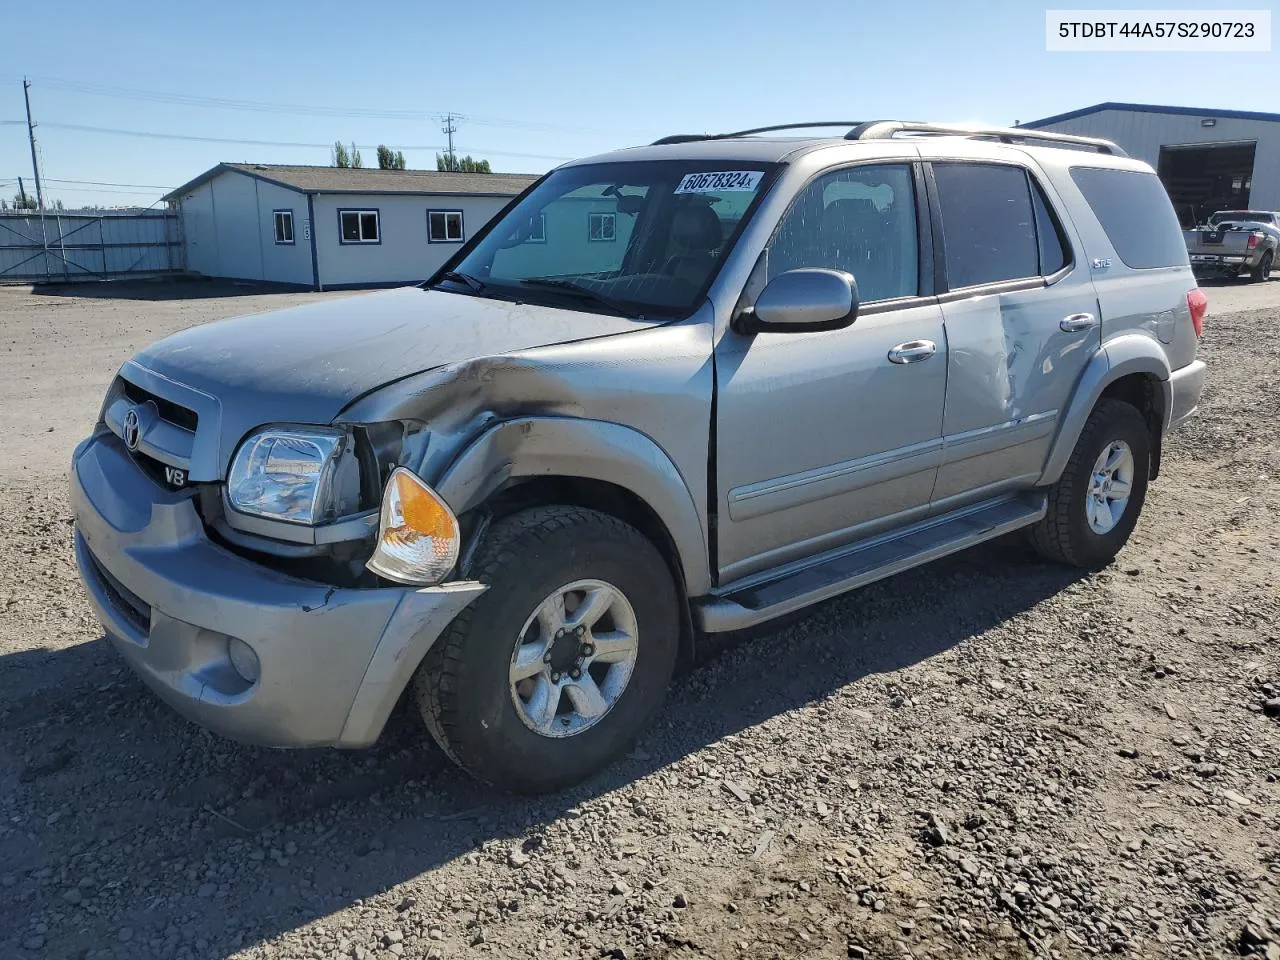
(835, 573)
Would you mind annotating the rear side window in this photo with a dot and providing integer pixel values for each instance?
(1136, 214)
(988, 224)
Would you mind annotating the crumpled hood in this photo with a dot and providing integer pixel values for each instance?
(306, 363)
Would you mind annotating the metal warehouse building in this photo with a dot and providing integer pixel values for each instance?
(1208, 159)
(327, 227)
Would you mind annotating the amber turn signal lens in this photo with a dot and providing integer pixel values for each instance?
(418, 535)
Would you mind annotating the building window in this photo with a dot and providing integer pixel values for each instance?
(601, 226)
(444, 226)
(359, 226)
(284, 226)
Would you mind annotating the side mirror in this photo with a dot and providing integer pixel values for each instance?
(802, 301)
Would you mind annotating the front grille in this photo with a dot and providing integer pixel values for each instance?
(175, 413)
(136, 610)
(152, 467)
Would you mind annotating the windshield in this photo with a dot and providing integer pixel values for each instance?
(636, 238)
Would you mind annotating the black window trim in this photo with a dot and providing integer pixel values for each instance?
(1059, 226)
(376, 211)
(948, 294)
(462, 226)
(926, 252)
(275, 227)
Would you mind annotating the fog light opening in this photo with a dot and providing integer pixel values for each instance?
(244, 660)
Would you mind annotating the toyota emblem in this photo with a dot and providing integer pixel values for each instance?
(132, 429)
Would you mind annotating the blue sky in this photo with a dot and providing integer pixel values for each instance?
(536, 82)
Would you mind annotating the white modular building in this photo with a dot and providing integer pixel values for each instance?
(333, 227)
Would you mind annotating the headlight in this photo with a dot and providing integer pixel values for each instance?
(418, 535)
(286, 473)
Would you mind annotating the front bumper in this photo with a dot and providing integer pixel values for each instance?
(333, 662)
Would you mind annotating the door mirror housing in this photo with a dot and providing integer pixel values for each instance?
(802, 301)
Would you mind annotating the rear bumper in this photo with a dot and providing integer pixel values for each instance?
(1185, 386)
(332, 662)
(1226, 265)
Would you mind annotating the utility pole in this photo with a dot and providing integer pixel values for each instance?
(31, 135)
(450, 129)
(22, 193)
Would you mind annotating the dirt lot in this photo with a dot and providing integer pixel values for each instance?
(990, 757)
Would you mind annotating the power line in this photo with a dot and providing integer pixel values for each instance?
(129, 193)
(82, 128)
(99, 183)
(261, 106)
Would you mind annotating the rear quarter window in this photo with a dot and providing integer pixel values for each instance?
(1136, 215)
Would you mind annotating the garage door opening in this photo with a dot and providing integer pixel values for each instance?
(1202, 178)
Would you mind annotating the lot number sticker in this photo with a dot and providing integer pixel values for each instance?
(723, 181)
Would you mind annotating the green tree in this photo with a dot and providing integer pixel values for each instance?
(24, 202)
(452, 163)
(340, 157)
(355, 156)
(389, 159)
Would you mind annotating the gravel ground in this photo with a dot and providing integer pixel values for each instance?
(989, 757)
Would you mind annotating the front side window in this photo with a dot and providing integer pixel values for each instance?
(639, 238)
(444, 226)
(359, 226)
(988, 225)
(861, 220)
(284, 226)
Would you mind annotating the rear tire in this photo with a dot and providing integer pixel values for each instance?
(1083, 526)
(485, 719)
(1262, 272)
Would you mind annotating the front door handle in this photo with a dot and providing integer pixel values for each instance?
(1077, 322)
(913, 351)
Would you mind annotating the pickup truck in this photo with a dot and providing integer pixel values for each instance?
(1235, 242)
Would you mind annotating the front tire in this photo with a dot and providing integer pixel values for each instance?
(554, 670)
(1095, 504)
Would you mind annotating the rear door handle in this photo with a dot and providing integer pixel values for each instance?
(1077, 322)
(913, 351)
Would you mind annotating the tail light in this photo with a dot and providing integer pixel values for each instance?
(1198, 304)
(1254, 240)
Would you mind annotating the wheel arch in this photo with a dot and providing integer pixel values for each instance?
(1131, 367)
(592, 464)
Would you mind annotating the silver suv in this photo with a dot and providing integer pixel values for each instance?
(670, 391)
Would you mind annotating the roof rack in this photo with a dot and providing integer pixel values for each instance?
(888, 129)
(690, 137)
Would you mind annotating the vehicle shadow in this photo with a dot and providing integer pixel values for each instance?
(241, 844)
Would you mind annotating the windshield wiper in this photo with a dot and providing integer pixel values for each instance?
(581, 292)
(469, 280)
